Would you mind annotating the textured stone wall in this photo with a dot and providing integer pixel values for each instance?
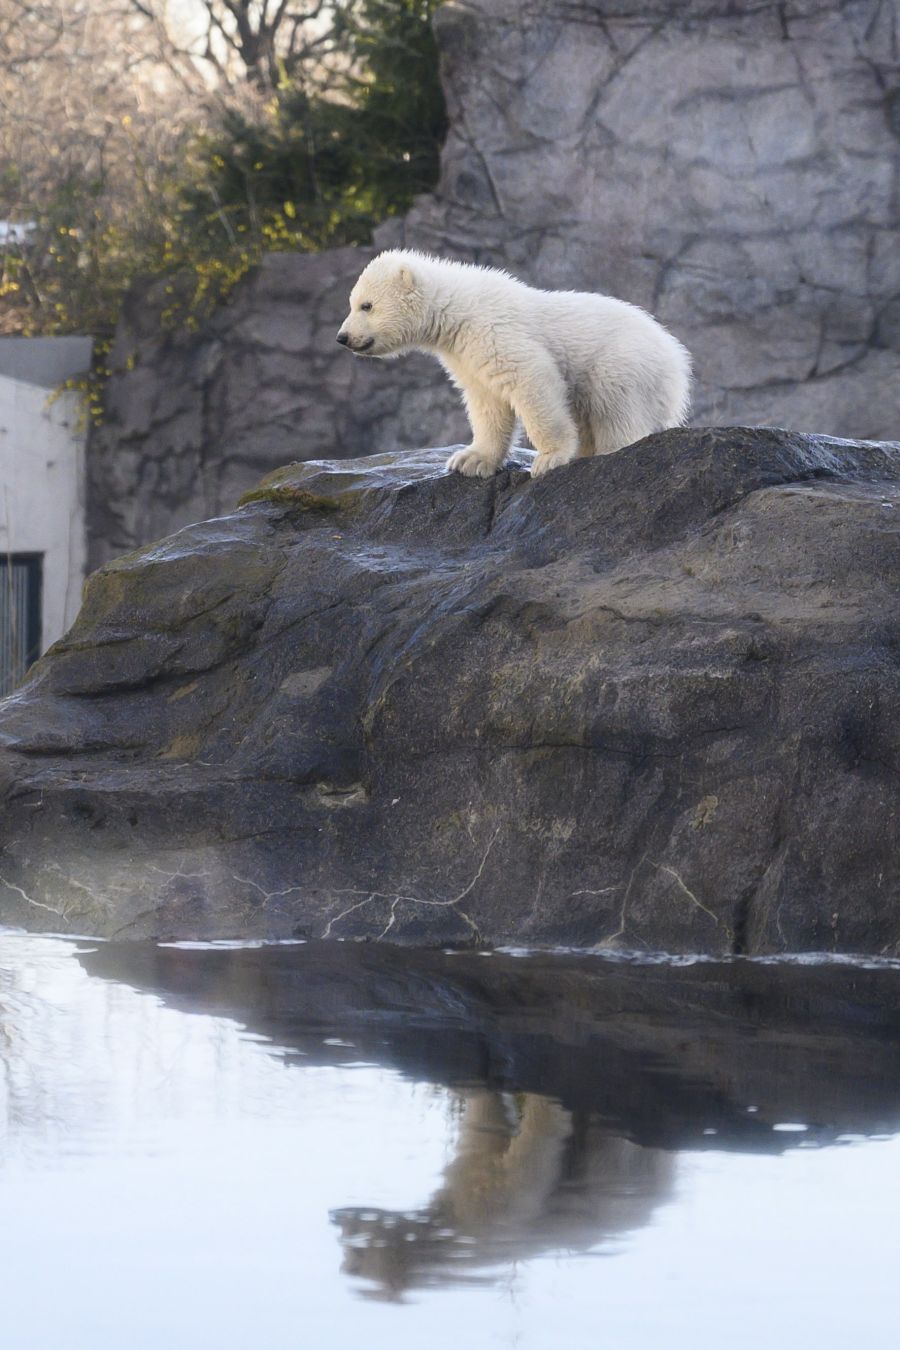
(192, 420)
(734, 168)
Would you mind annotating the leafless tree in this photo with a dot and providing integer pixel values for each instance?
(79, 79)
(261, 42)
(84, 99)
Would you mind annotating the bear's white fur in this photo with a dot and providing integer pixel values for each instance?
(586, 374)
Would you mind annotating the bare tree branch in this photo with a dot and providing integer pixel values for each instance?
(256, 43)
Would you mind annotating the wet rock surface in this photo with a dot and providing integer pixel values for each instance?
(650, 701)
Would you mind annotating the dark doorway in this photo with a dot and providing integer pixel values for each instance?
(21, 577)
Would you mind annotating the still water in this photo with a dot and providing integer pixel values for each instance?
(343, 1146)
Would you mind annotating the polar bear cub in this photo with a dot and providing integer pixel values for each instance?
(585, 373)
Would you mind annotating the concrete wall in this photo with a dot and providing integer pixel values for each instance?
(47, 361)
(42, 491)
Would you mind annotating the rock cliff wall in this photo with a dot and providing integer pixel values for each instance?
(732, 168)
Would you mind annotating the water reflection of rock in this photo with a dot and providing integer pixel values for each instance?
(576, 1077)
(711, 1054)
(527, 1177)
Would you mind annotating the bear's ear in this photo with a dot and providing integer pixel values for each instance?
(406, 278)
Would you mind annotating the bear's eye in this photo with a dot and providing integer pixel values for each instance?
(366, 306)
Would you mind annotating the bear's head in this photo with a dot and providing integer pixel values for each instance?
(386, 308)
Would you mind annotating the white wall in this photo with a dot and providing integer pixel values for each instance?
(42, 490)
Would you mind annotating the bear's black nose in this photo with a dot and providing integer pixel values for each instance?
(343, 339)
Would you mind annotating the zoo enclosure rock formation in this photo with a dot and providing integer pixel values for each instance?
(732, 168)
(651, 700)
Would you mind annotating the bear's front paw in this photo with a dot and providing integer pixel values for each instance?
(552, 460)
(473, 463)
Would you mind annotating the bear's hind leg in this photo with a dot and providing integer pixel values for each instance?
(493, 424)
(607, 438)
(542, 402)
(621, 415)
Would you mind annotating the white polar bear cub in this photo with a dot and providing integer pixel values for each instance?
(586, 374)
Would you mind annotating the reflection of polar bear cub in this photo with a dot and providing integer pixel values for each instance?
(586, 373)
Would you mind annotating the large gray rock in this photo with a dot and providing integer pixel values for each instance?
(652, 700)
(732, 168)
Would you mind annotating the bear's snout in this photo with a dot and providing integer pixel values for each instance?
(357, 348)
